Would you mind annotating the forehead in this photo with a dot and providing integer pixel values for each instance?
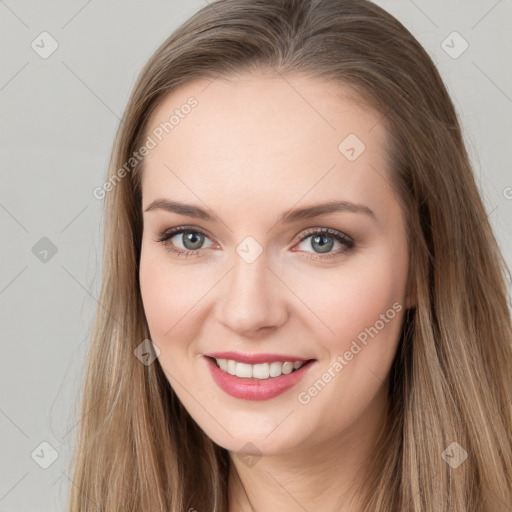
(280, 137)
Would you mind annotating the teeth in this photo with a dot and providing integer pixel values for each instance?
(276, 369)
(231, 367)
(243, 370)
(258, 371)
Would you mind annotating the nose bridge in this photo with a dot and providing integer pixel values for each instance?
(252, 298)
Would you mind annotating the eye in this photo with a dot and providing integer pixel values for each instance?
(189, 241)
(323, 241)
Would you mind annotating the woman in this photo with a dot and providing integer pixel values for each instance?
(303, 304)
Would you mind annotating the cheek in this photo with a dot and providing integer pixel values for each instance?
(363, 308)
(157, 295)
(361, 304)
(168, 296)
(354, 298)
(171, 299)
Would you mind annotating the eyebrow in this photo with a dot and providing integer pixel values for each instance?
(287, 217)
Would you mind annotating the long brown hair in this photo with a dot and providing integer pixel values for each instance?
(137, 448)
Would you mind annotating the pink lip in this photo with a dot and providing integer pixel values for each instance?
(256, 389)
(255, 358)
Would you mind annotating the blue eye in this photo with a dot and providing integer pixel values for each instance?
(323, 240)
(190, 241)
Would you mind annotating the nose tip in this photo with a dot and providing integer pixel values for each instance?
(252, 301)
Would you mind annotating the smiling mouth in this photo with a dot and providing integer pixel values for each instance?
(261, 371)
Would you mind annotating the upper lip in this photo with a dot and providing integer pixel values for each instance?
(255, 358)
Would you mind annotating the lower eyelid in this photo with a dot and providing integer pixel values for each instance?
(345, 242)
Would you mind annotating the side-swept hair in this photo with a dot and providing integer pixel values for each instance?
(137, 448)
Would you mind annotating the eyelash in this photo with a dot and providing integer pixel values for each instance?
(337, 235)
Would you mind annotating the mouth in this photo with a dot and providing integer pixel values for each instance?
(260, 381)
(261, 371)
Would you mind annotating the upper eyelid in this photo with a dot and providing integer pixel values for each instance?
(306, 233)
(180, 229)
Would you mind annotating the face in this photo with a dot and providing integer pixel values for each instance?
(273, 249)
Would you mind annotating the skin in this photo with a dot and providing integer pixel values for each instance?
(251, 149)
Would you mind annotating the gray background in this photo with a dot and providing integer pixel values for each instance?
(59, 115)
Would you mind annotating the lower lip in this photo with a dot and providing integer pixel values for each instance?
(256, 389)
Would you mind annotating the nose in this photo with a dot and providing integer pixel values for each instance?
(253, 300)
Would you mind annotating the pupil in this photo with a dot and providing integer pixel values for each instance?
(325, 242)
(195, 239)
